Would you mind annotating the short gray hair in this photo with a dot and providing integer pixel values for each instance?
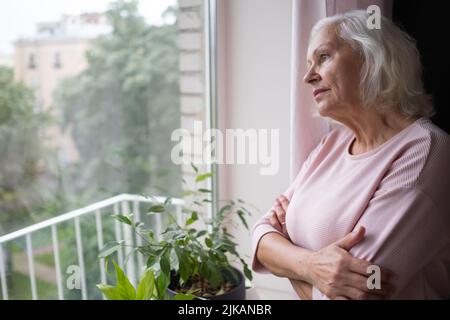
(391, 76)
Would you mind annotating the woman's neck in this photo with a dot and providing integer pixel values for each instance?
(372, 129)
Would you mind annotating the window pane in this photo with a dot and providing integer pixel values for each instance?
(89, 99)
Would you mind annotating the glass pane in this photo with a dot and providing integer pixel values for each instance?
(88, 101)
(90, 93)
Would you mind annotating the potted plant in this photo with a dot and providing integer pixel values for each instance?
(193, 257)
(148, 288)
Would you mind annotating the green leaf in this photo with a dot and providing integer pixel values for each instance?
(204, 190)
(203, 176)
(215, 277)
(241, 216)
(123, 290)
(183, 263)
(179, 236)
(146, 286)
(193, 218)
(223, 209)
(203, 269)
(110, 292)
(123, 219)
(201, 233)
(151, 260)
(168, 229)
(124, 284)
(208, 242)
(183, 296)
(194, 167)
(187, 193)
(246, 210)
(248, 273)
(156, 209)
(162, 283)
(109, 249)
(138, 224)
(164, 263)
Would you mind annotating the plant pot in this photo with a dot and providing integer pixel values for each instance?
(237, 293)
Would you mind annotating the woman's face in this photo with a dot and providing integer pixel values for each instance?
(334, 74)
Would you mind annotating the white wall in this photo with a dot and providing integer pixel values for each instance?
(254, 92)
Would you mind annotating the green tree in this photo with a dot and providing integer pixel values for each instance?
(21, 150)
(125, 105)
(123, 108)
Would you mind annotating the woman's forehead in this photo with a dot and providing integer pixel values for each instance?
(324, 37)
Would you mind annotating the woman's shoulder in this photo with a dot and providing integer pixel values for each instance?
(439, 139)
(427, 142)
(423, 155)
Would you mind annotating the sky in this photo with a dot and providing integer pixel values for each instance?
(18, 18)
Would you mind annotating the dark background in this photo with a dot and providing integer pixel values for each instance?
(429, 23)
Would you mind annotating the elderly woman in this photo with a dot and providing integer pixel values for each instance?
(371, 201)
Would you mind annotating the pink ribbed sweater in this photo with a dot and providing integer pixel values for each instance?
(399, 191)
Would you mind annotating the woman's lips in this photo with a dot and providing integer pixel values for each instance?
(317, 92)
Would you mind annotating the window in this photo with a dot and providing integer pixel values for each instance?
(57, 61)
(31, 62)
(115, 80)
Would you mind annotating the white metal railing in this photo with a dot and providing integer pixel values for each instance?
(120, 204)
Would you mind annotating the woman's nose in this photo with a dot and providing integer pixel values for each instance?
(311, 76)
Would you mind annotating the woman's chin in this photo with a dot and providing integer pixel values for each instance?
(323, 109)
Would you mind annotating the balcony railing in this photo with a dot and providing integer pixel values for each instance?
(120, 205)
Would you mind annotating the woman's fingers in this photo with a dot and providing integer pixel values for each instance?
(366, 269)
(281, 215)
(273, 218)
(360, 273)
(351, 239)
(360, 282)
(277, 216)
(284, 202)
(357, 294)
(360, 266)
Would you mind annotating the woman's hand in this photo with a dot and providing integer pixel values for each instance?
(338, 275)
(277, 216)
(332, 270)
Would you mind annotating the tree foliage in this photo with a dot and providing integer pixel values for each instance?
(21, 149)
(124, 106)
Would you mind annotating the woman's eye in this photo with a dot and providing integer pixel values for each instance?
(323, 56)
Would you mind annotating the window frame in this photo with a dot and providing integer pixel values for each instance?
(210, 31)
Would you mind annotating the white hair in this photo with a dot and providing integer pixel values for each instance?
(391, 75)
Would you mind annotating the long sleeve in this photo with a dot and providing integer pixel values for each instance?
(406, 232)
(263, 226)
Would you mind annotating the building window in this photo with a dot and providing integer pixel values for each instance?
(31, 62)
(57, 61)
